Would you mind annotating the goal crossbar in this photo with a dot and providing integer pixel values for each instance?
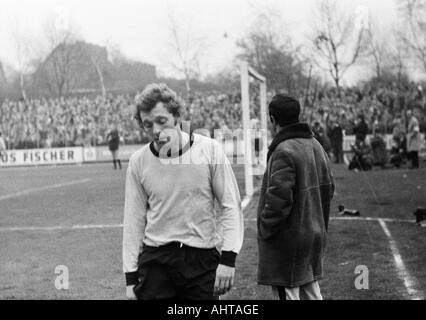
(253, 73)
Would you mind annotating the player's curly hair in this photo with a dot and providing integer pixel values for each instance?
(154, 93)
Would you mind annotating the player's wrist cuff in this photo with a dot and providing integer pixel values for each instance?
(228, 258)
(131, 278)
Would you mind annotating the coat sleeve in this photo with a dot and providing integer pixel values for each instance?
(331, 176)
(278, 195)
(326, 214)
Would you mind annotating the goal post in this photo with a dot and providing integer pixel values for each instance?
(245, 73)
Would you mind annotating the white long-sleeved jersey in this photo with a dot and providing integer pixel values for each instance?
(171, 200)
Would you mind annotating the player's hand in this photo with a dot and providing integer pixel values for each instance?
(130, 294)
(224, 279)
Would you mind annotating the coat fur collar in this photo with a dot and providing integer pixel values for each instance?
(293, 131)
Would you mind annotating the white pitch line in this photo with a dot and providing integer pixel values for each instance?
(403, 273)
(372, 219)
(246, 202)
(53, 186)
(247, 199)
(244, 205)
(359, 219)
(56, 228)
(111, 226)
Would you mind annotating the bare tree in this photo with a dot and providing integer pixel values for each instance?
(187, 47)
(61, 56)
(2, 75)
(338, 40)
(414, 13)
(397, 57)
(24, 53)
(388, 53)
(378, 47)
(99, 72)
(269, 50)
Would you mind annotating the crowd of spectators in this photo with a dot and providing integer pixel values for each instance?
(383, 107)
(378, 110)
(67, 122)
(82, 121)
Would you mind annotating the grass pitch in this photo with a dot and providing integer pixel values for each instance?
(66, 196)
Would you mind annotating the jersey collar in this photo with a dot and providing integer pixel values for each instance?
(171, 155)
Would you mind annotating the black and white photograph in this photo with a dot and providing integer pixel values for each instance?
(229, 151)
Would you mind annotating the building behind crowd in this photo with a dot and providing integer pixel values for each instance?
(81, 68)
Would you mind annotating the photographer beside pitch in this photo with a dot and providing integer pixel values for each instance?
(170, 234)
(294, 206)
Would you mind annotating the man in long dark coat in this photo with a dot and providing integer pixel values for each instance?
(294, 206)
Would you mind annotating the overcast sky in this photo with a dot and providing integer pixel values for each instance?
(139, 27)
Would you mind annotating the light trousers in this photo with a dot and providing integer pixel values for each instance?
(310, 291)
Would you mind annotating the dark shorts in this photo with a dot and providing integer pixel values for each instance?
(113, 147)
(176, 272)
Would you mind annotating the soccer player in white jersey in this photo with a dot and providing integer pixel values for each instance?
(172, 246)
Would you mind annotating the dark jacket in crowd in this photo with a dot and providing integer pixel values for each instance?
(319, 134)
(113, 139)
(361, 129)
(378, 147)
(335, 133)
(294, 208)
